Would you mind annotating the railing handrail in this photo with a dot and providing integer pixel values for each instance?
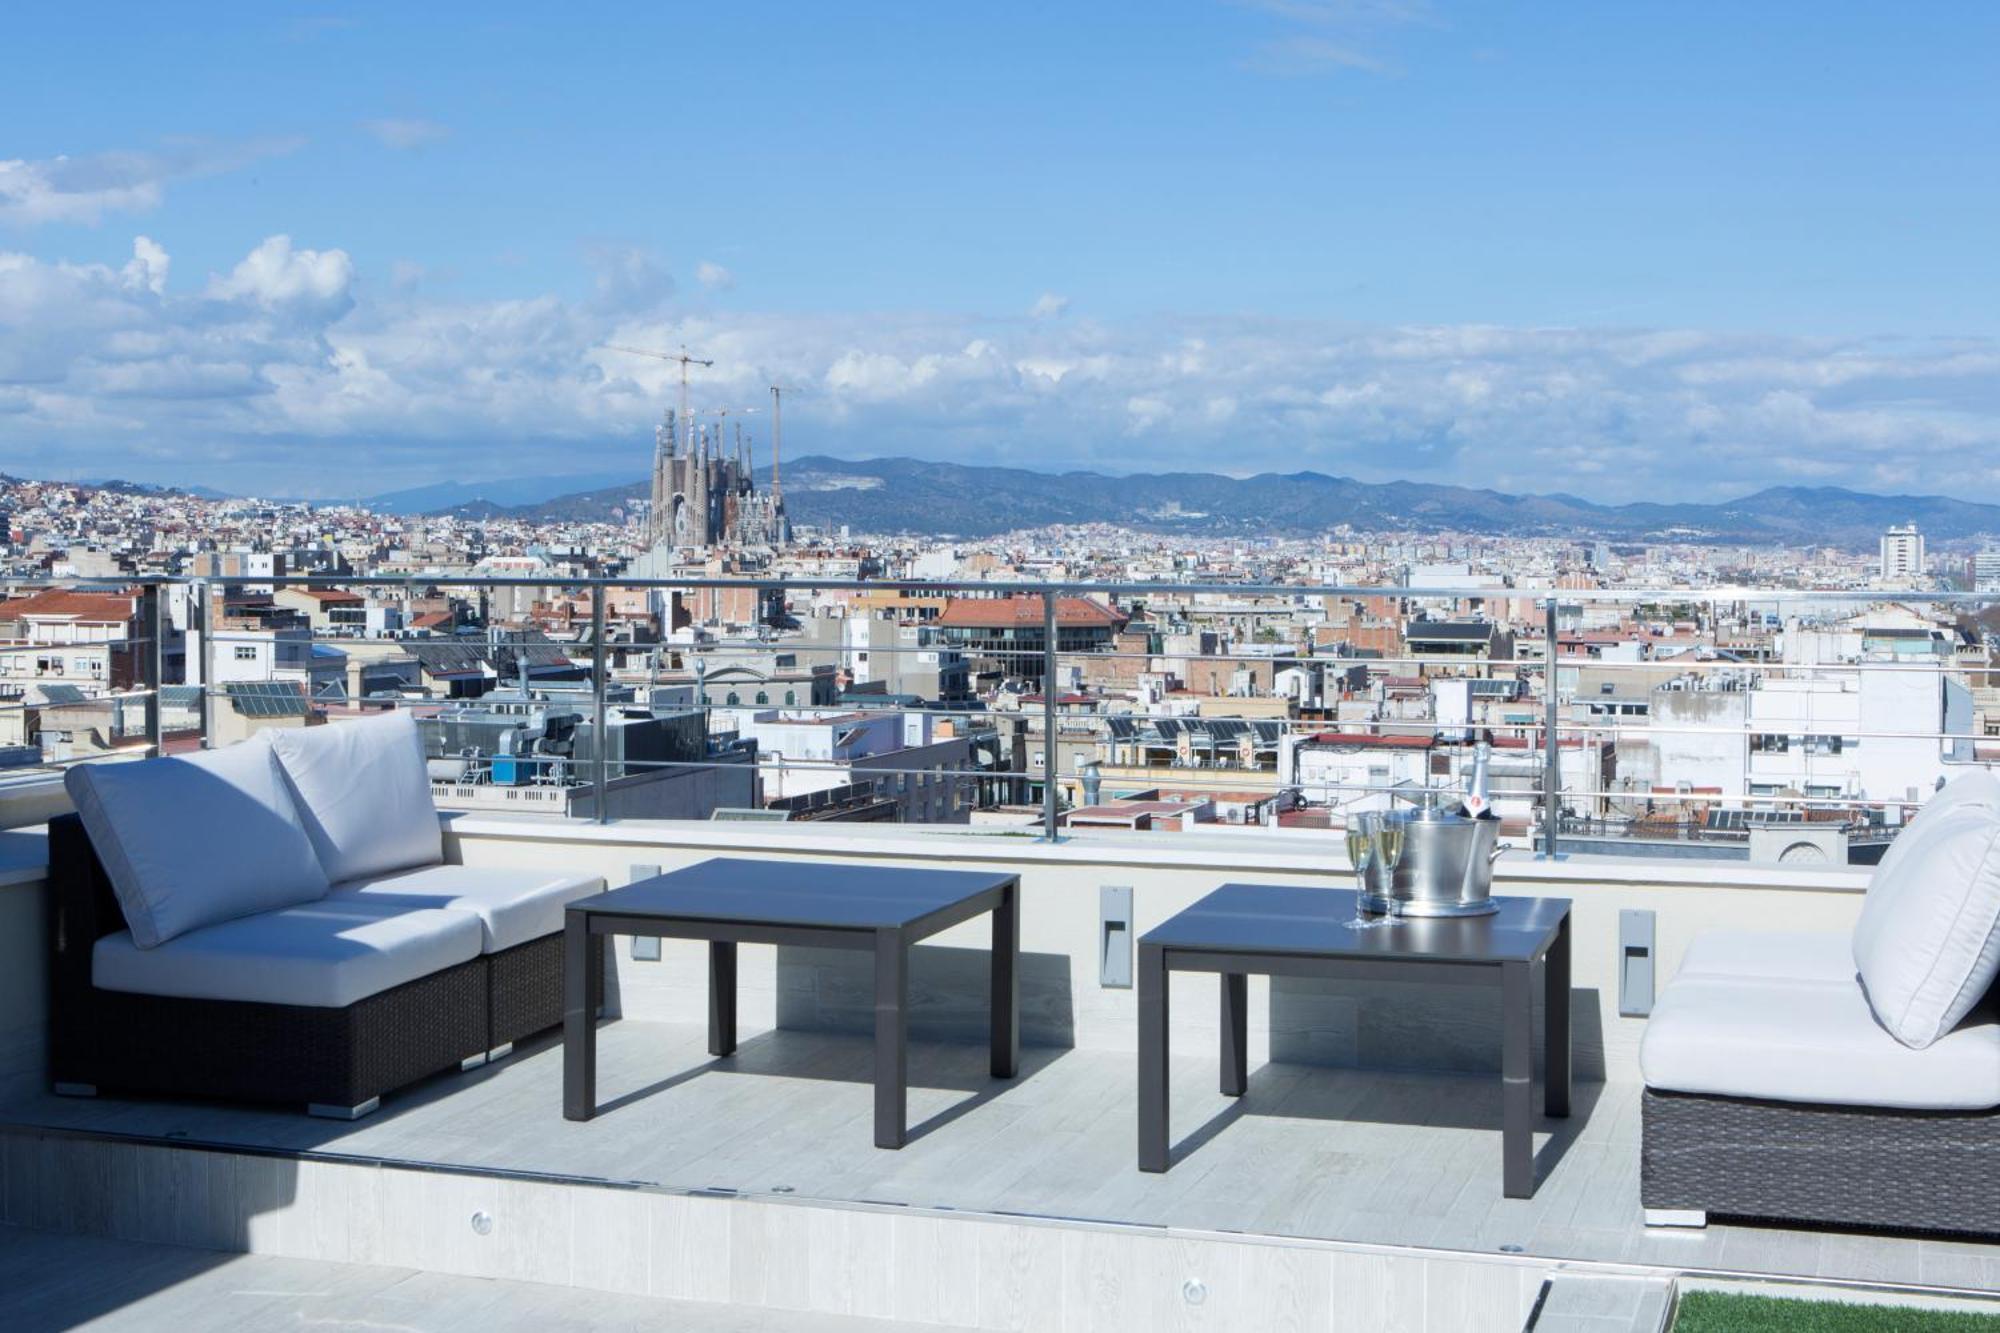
(1033, 588)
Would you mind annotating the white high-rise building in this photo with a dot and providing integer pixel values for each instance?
(1902, 554)
(1986, 570)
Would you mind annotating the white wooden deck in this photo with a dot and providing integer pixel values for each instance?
(1387, 1159)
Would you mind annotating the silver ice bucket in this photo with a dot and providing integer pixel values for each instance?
(1446, 868)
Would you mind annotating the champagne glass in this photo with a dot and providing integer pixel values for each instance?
(1360, 852)
(1388, 853)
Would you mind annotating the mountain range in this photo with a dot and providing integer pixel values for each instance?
(885, 495)
(504, 493)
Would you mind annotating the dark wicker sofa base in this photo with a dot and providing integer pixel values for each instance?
(115, 1041)
(1857, 1166)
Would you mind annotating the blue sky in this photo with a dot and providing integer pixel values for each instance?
(1624, 250)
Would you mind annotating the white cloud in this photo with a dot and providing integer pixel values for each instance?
(1302, 53)
(406, 134)
(626, 277)
(316, 284)
(83, 190)
(1048, 306)
(35, 193)
(1323, 36)
(288, 354)
(714, 276)
(148, 266)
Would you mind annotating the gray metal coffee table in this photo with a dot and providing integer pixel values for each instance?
(730, 901)
(1280, 929)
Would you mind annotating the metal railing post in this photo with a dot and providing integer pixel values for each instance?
(200, 616)
(153, 655)
(602, 764)
(1551, 749)
(1050, 801)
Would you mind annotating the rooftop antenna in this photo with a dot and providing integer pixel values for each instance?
(682, 357)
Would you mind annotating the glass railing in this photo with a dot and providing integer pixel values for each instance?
(1776, 723)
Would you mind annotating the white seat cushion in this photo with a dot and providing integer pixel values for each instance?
(514, 904)
(1809, 1041)
(1928, 942)
(326, 955)
(1770, 955)
(364, 792)
(191, 840)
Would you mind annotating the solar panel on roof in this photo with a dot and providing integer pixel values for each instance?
(1123, 728)
(180, 696)
(1268, 733)
(266, 698)
(60, 695)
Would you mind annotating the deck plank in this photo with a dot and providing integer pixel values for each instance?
(1382, 1157)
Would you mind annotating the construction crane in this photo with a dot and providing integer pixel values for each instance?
(682, 357)
(777, 439)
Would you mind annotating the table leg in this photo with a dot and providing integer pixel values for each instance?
(1235, 1033)
(1005, 1000)
(1152, 1058)
(1556, 1023)
(1517, 1082)
(892, 1038)
(722, 997)
(583, 967)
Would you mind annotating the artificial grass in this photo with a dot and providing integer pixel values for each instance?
(1734, 1312)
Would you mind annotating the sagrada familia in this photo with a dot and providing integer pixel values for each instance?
(705, 494)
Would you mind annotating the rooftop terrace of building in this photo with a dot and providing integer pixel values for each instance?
(1361, 1171)
(1358, 1177)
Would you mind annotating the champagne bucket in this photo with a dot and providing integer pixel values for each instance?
(1446, 868)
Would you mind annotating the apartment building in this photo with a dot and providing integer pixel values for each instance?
(905, 757)
(1902, 554)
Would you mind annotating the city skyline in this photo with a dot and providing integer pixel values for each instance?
(1628, 258)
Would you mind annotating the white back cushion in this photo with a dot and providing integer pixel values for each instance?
(1977, 788)
(1930, 948)
(364, 792)
(189, 841)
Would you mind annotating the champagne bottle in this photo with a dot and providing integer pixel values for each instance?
(1478, 797)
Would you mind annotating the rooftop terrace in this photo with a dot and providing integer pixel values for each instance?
(1357, 1182)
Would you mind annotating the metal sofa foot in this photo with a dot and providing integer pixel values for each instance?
(76, 1089)
(328, 1112)
(500, 1052)
(1676, 1217)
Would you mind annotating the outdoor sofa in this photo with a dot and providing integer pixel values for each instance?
(275, 921)
(1850, 1080)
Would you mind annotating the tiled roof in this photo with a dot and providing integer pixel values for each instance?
(62, 604)
(1027, 612)
(1361, 741)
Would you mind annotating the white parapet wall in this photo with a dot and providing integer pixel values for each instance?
(1063, 1002)
(755, 1253)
